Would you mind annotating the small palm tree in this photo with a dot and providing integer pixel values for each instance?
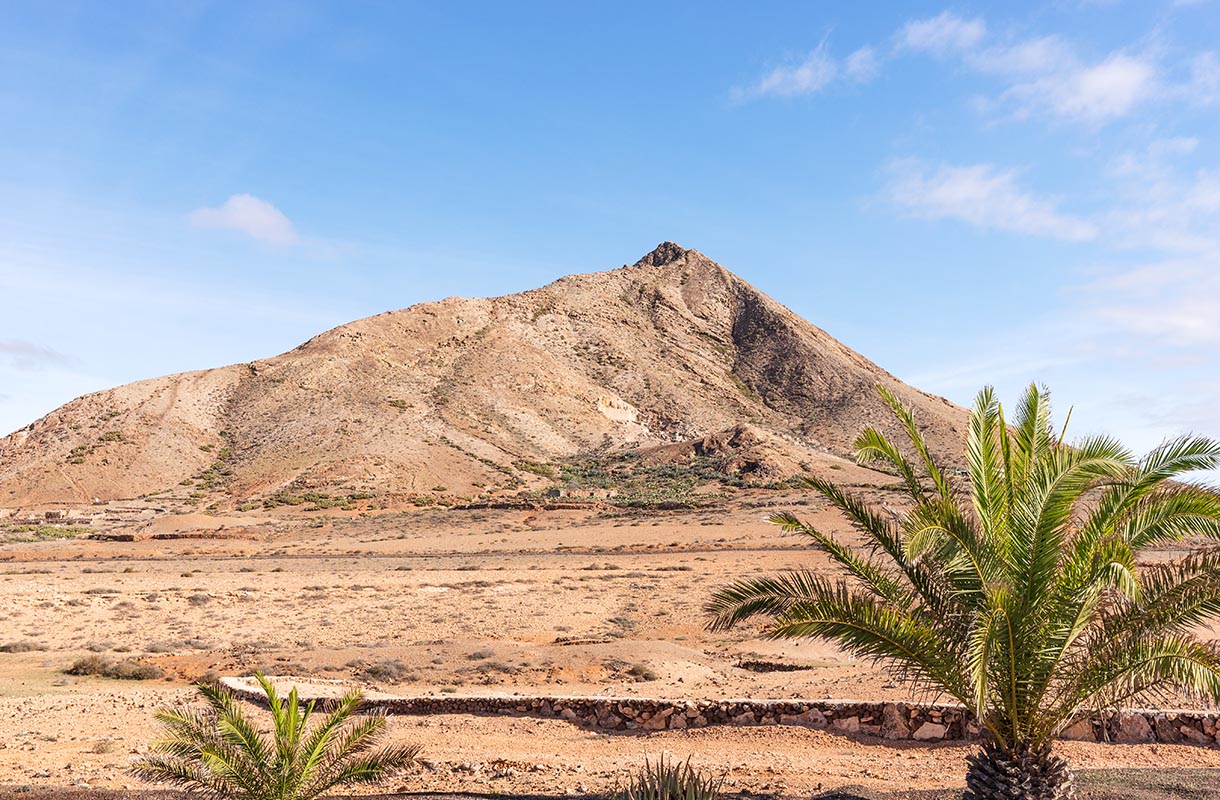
(1018, 594)
(219, 752)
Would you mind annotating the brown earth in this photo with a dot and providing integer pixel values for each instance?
(576, 601)
(468, 397)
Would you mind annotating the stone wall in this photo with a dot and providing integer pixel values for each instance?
(926, 722)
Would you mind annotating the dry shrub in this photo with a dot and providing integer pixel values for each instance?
(104, 667)
(25, 646)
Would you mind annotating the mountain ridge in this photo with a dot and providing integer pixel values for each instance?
(673, 348)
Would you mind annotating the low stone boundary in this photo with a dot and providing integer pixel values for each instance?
(924, 722)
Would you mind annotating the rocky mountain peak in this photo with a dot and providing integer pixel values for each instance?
(662, 254)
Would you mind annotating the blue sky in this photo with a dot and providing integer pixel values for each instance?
(965, 193)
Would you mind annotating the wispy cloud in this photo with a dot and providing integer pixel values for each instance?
(813, 73)
(1048, 76)
(1203, 88)
(1172, 302)
(250, 215)
(1161, 202)
(982, 195)
(862, 65)
(25, 355)
(1093, 93)
(941, 35)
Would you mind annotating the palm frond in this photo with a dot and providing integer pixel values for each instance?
(752, 597)
(944, 487)
(985, 441)
(872, 447)
(857, 565)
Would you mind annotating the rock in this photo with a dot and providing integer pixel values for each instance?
(894, 723)
(657, 723)
(847, 725)
(1195, 736)
(744, 718)
(1133, 729)
(1166, 731)
(677, 722)
(812, 718)
(1080, 731)
(930, 731)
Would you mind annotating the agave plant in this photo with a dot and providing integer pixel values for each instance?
(221, 754)
(1019, 593)
(669, 781)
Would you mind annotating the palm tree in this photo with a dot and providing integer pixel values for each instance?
(1019, 594)
(220, 753)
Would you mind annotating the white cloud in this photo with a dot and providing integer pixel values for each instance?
(941, 35)
(25, 355)
(1204, 85)
(1159, 202)
(982, 195)
(1046, 75)
(1094, 93)
(251, 215)
(1175, 302)
(813, 73)
(808, 76)
(1029, 57)
(862, 65)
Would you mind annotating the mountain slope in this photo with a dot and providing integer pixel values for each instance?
(453, 393)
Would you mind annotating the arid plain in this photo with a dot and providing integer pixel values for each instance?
(585, 601)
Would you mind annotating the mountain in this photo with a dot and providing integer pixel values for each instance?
(673, 357)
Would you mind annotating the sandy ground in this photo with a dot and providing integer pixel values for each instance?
(564, 602)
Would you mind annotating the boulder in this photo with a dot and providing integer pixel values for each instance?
(847, 725)
(1133, 729)
(930, 731)
(1166, 731)
(894, 723)
(1080, 731)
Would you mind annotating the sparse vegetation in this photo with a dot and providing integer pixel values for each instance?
(643, 672)
(104, 667)
(545, 470)
(42, 533)
(394, 671)
(316, 501)
(24, 646)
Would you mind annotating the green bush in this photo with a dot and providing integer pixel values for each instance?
(669, 781)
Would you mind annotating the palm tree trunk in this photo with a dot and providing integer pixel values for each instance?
(1019, 773)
